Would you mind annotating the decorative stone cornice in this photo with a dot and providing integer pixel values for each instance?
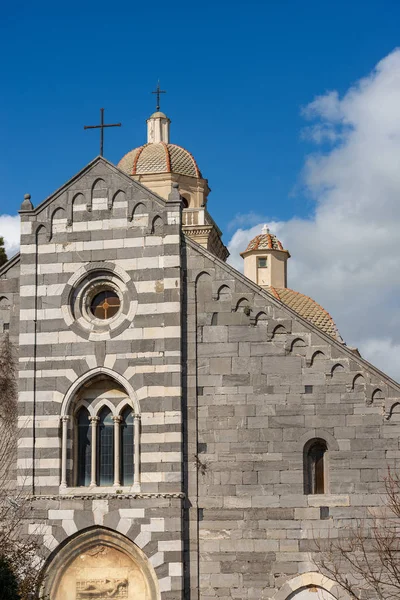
(111, 496)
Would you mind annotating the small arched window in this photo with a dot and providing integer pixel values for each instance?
(127, 446)
(106, 448)
(315, 467)
(84, 452)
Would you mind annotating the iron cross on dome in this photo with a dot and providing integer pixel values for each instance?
(101, 127)
(158, 91)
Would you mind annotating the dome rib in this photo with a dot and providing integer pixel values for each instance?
(167, 157)
(138, 153)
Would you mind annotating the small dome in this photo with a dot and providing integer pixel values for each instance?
(159, 158)
(265, 241)
(158, 115)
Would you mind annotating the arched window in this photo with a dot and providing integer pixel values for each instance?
(105, 436)
(127, 446)
(105, 449)
(84, 440)
(315, 468)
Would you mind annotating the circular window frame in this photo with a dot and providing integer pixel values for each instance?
(91, 292)
(80, 291)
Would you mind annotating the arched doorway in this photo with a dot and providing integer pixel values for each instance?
(312, 592)
(98, 564)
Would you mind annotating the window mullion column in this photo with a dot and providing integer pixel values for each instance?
(94, 422)
(117, 460)
(136, 449)
(64, 444)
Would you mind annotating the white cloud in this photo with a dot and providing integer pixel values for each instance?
(9, 230)
(347, 253)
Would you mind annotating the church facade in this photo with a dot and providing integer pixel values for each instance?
(186, 431)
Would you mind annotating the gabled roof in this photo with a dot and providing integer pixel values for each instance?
(337, 343)
(14, 260)
(98, 160)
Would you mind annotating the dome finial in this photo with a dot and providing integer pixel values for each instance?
(158, 91)
(265, 229)
(158, 123)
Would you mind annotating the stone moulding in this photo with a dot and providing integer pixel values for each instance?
(111, 496)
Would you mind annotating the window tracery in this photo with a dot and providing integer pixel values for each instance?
(105, 438)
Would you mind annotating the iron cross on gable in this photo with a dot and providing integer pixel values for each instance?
(158, 91)
(101, 127)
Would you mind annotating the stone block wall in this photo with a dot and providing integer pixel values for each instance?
(266, 383)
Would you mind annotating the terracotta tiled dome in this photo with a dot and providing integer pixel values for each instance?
(307, 308)
(159, 158)
(265, 241)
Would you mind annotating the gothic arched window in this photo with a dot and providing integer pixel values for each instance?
(105, 451)
(127, 446)
(104, 429)
(84, 452)
(315, 467)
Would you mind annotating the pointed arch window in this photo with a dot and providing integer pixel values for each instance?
(84, 451)
(105, 450)
(315, 467)
(127, 446)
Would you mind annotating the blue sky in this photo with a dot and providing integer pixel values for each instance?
(292, 110)
(237, 75)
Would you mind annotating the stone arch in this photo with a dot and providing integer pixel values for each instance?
(138, 209)
(278, 330)
(312, 434)
(358, 380)
(336, 369)
(241, 304)
(78, 199)
(377, 394)
(203, 286)
(119, 196)
(224, 292)
(318, 355)
(94, 555)
(313, 581)
(59, 215)
(87, 377)
(186, 200)
(4, 302)
(98, 185)
(157, 225)
(298, 346)
(392, 410)
(41, 233)
(261, 318)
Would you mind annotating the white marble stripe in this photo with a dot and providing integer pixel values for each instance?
(124, 355)
(48, 314)
(67, 337)
(135, 242)
(168, 417)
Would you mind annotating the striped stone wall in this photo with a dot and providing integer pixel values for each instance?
(103, 222)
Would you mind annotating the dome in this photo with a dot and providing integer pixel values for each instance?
(159, 158)
(265, 241)
(307, 308)
(158, 115)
